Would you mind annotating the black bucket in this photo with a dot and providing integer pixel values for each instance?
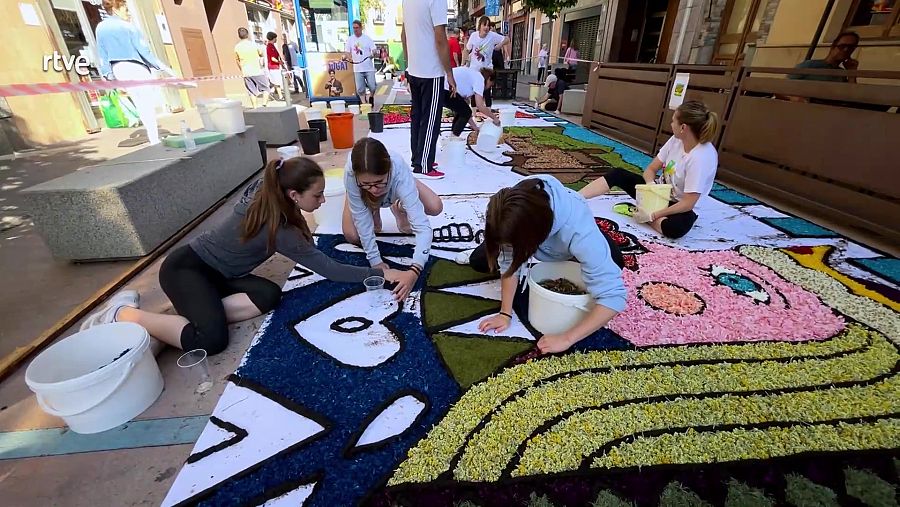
(376, 122)
(309, 141)
(322, 126)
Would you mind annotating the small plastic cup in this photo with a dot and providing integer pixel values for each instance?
(195, 363)
(375, 289)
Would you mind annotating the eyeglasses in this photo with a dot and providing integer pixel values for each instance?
(371, 186)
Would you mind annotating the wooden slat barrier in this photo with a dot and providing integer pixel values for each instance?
(625, 101)
(822, 146)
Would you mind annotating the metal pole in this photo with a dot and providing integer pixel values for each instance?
(819, 30)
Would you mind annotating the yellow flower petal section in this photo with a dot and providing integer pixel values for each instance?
(568, 443)
(491, 449)
(433, 454)
(694, 447)
(816, 261)
(832, 292)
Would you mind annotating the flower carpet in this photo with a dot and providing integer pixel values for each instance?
(755, 365)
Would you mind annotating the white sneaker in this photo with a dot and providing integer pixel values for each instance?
(107, 315)
(464, 257)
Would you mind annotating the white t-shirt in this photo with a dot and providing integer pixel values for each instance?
(360, 48)
(420, 17)
(692, 172)
(481, 50)
(468, 82)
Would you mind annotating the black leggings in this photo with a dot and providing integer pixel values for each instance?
(674, 226)
(479, 259)
(196, 291)
(461, 110)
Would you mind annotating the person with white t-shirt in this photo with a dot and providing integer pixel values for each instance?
(424, 38)
(688, 162)
(480, 50)
(469, 83)
(361, 51)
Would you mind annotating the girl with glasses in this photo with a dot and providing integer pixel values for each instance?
(375, 179)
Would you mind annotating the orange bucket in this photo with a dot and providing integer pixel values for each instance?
(341, 127)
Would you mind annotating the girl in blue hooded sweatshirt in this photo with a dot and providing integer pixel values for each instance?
(541, 218)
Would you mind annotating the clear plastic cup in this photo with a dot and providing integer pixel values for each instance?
(196, 366)
(375, 289)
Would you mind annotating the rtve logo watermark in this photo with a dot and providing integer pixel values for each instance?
(61, 63)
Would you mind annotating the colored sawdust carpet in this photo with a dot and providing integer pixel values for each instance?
(756, 365)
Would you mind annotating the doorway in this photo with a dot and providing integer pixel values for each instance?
(741, 20)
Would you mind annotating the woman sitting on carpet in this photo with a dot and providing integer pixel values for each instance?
(375, 179)
(689, 162)
(209, 280)
(542, 218)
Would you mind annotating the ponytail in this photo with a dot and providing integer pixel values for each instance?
(704, 124)
(272, 208)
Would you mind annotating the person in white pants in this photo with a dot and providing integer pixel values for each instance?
(125, 56)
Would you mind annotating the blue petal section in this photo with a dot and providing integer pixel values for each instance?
(885, 267)
(798, 227)
(628, 154)
(729, 196)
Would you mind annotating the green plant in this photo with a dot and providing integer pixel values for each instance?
(550, 7)
(365, 6)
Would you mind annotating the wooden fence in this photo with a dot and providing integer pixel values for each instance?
(824, 147)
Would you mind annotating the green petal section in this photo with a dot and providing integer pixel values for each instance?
(607, 499)
(443, 308)
(742, 495)
(676, 495)
(444, 272)
(539, 501)
(870, 489)
(803, 492)
(472, 359)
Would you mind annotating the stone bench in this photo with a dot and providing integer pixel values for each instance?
(277, 126)
(126, 207)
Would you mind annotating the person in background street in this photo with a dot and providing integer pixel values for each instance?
(361, 51)
(542, 61)
(274, 64)
(455, 48)
(424, 37)
(335, 88)
(248, 56)
(383, 55)
(125, 56)
(552, 100)
(292, 61)
(571, 58)
(840, 57)
(208, 280)
(688, 162)
(376, 179)
(470, 83)
(480, 50)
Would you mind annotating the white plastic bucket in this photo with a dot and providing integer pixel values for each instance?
(551, 312)
(313, 113)
(203, 111)
(331, 213)
(286, 152)
(227, 116)
(456, 151)
(84, 380)
(653, 198)
(321, 105)
(534, 92)
(488, 136)
(354, 108)
(507, 117)
(338, 106)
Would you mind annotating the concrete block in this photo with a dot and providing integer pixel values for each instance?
(126, 207)
(573, 101)
(277, 126)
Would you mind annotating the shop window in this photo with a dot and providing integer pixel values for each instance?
(874, 19)
(741, 21)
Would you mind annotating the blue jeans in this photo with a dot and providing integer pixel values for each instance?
(364, 80)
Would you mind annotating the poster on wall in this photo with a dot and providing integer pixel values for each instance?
(679, 88)
(492, 8)
(330, 77)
